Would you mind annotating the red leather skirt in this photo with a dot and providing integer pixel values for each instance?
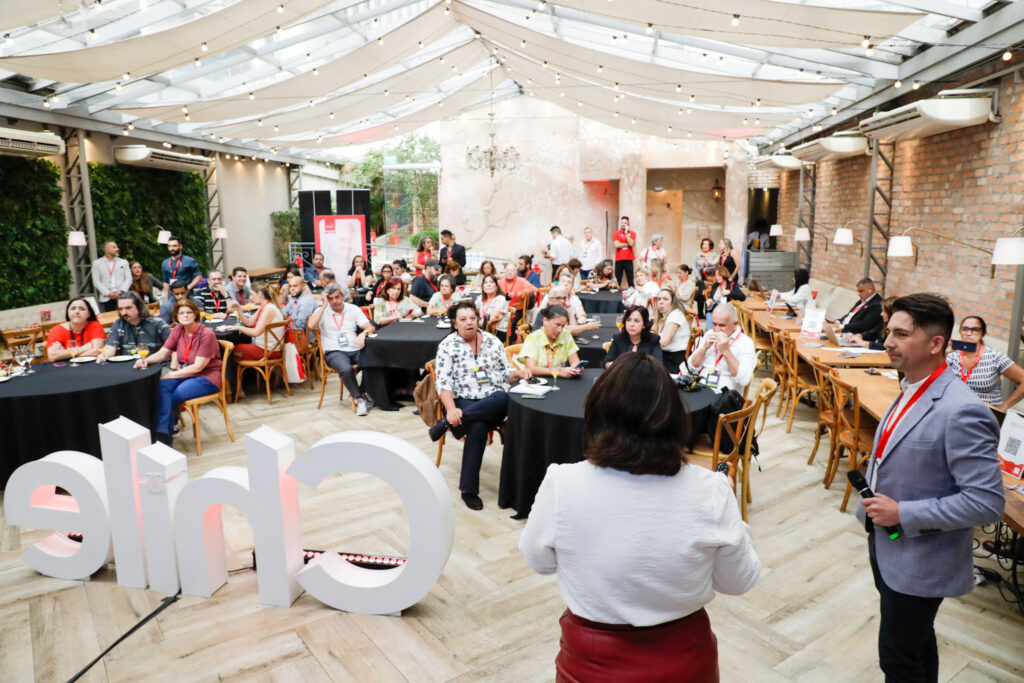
(680, 650)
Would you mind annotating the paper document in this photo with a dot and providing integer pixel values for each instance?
(532, 389)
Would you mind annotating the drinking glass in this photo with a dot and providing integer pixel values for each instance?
(143, 350)
(554, 376)
(23, 356)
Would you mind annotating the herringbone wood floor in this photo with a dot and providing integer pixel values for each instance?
(812, 617)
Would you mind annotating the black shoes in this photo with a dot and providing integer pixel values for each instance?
(438, 430)
(471, 500)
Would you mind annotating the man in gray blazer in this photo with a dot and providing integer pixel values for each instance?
(935, 476)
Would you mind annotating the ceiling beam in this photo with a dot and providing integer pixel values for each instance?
(942, 8)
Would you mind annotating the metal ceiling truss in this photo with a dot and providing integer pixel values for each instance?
(77, 200)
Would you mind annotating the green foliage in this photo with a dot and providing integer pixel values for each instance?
(369, 173)
(414, 239)
(33, 232)
(129, 203)
(286, 229)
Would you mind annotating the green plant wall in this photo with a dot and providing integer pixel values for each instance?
(128, 203)
(33, 233)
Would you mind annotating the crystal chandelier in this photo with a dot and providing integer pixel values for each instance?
(492, 158)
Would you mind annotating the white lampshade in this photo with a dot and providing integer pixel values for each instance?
(776, 230)
(802, 235)
(1009, 251)
(220, 234)
(164, 237)
(76, 238)
(900, 246)
(843, 236)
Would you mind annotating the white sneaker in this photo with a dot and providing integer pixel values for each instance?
(361, 409)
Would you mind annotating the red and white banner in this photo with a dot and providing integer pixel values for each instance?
(340, 239)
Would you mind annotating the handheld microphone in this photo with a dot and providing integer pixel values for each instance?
(861, 484)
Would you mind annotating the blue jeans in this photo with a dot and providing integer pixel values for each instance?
(174, 392)
(478, 417)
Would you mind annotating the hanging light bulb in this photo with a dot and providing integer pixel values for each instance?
(380, 41)
(735, 20)
(280, 9)
(1007, 56)
(869, 50)
(316, 72)
(259, 122)
(866, 41)
(204, 47)
(198, 62)
(898, 84)
(650, 29)
(692, 98)
(917, 86)
(184, 109)
(46, 104)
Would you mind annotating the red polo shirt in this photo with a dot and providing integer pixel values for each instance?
(627, 253)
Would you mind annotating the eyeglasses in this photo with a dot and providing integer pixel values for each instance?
(557, 298)
(974, 330)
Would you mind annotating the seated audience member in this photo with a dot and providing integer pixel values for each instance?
(724, 291)
(568, 276)
(253, 326)
(686, 287)
(546, 350)
(644, 291)
(144, 284)
(635, 337)
(602, 276)
(238, 289)
(801, 292)
(81, 335)
(327, 277)
(865, 318)
(453, 269)
(578, 321)
(179, 291)
(673, 329)
(515, 288)
(486, 268)
(402, 270)
(340, 336)
(492, 306)
(360, 280)
(878, 344)
(394, 304)
(195, 366)
(472, 374)
(444, 297)
(312, 274)
(524, 269)
(636, 497)
(424, 286)
(659, 275)
(134, 328)
(983, 368)
(299, 302)
(726, 357)
(213, 297)
(386, 273)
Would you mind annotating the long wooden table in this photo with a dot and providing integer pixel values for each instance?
(754, 304)
(769, 321)
(832, 357)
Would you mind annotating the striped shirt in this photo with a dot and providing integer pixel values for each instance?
(984, 379)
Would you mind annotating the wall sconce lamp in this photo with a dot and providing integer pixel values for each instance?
(164, 236)
(1009, 250)
(76, 238)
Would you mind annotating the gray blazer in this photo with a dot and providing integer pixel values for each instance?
(941, 465)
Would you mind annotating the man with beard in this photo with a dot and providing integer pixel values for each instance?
(179, 267)
(134, 327)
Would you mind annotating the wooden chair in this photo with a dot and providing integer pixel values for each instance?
(779, 373)
(192, 405)
(511, 352)
(440, 413)
(523, 331)
(272, 343)
(828, 416)
(856, 437)
(733, 425)
(800, 380)
(326, 371)
(310, 365)
(29, 336)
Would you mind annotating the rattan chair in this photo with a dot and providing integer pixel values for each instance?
(192, 405)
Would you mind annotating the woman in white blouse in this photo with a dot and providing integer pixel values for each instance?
(637, 498)
(801, 292)
(671, 325)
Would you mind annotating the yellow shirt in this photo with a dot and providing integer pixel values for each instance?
(548, 355)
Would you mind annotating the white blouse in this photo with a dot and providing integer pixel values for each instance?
(797, 298)
(638, 549)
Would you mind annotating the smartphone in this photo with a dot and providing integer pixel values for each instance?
(582, 364)
(969, 347)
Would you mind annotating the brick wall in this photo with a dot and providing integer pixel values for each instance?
(967, 184)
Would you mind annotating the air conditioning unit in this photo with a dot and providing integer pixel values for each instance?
(849, 143)
(24, 143)
(783, 162)
(952, 109)
(140, 155)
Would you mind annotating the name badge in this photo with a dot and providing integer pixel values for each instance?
(712, 379)
(480, 373)
(342, 340)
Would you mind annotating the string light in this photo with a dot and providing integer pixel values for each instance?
(869, 50)
(866, 41)
(204, 47)
(252, 96)
(650, 29)
(280, 9)
(917, 86)
(735, 20)
(46, 104)
(316, 72)
(198, 62)
(184, 109)
(380, 41)
(898, 84)
(692, 98)
(1007, 56)
(126, 76)
(259, 123)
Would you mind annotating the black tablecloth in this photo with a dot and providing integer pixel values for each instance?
(398, 349)
(60, 408)
(591, 342)
(602, 302)
(540, 432)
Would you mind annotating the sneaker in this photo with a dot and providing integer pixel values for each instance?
(361, 408)
(176, 432)
(369, 400)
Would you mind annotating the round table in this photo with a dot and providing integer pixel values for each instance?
(397, 349)
(540, 432)
(60, 407)
(592, 342)
(604, 301)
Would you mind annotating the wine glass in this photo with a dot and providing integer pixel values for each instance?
(22, 356)
(142, 350)
(74, 350)
(555, 371)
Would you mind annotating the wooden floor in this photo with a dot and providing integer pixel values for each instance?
(812, 617)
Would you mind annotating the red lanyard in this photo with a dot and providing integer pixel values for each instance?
(553, 351)
(174, 270)
(110, 270)
(392, 307)
(216, 301)
(431, 284)
(861, 305)
(339, 324)
(187, 341)
(241, 296)
(967, 375)
(258, 314)
(894, 419)
(734, 337)
(485, 305)
(446, 302)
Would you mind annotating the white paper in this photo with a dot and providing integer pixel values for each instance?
(814, 320)
(532, 389)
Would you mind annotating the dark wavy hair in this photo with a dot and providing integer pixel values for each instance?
(645, 333)
(634, 419)
(801, 276)
(453, 310)
(928, 311)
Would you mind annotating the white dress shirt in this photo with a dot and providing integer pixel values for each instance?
(743, 350)
(638, 549)
(797, 298)
(591, 253)
(560, 250)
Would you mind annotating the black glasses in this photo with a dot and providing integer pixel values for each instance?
(974, 330)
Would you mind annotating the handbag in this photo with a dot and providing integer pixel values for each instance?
(300, 338)
(293, 364)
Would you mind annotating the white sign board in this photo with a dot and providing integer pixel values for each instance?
(814, 320)
(1011, 450)
(340, 239)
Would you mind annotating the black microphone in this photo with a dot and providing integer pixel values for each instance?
(723, 467)
(861, 484)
